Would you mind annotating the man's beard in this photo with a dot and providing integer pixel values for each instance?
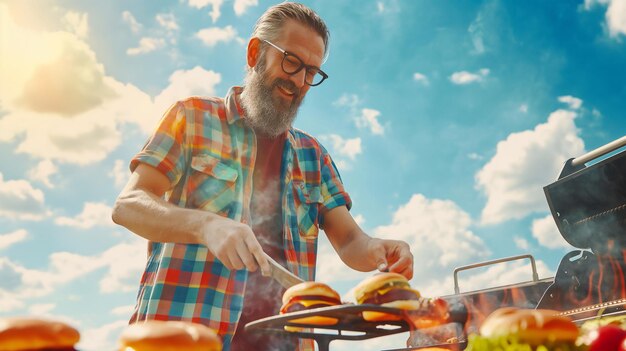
(266, 113)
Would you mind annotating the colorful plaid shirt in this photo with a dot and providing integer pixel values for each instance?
(206, 150)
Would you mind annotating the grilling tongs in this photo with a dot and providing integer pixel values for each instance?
(281, 274)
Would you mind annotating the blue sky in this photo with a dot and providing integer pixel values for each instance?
(446, 119)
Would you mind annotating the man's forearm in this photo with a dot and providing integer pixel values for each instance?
(352, 252)
(155, 219)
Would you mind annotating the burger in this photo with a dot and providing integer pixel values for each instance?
(25, 333)
(155, 335)
(310, 295)
(513, 329)
(393, 290)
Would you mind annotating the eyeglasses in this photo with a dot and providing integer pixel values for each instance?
(292, 64)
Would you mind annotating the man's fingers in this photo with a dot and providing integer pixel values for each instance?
(380, 258)
(246, 257)
(259, 256)
(235, 260)
(404, 266)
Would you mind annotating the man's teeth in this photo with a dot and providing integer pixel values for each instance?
(286, 91)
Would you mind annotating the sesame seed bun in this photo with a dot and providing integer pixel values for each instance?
(155, 335)
(26, 333)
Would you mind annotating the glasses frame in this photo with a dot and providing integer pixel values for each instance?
(302, 65)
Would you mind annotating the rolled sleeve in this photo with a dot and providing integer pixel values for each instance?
(333, 191)
(164, 150)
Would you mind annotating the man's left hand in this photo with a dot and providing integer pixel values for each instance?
(391, 256)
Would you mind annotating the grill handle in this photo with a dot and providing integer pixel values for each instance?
(488, 263)
(602, 150)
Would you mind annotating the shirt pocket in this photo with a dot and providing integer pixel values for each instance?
(212, 184)
(308, 203)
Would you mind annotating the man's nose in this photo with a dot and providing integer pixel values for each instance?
(299, 78)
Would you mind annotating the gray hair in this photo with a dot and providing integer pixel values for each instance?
(270, 24)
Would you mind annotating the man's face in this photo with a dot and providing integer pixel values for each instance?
(271, 96)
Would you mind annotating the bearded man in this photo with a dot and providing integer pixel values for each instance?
(222, 181)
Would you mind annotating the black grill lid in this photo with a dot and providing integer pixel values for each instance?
(588, 203)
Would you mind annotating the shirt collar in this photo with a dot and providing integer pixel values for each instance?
(234, 111)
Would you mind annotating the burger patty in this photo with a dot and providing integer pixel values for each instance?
(307, 302)
(296, 306)
(392, 295)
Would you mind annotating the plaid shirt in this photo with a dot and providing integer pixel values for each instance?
(205, 149)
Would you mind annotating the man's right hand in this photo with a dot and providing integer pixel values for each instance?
(235, 245)
(141, 208)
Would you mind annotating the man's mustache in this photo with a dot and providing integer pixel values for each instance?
(288, 85)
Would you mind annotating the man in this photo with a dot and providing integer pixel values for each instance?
(222, 181)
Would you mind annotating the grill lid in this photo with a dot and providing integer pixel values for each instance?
(588, 203)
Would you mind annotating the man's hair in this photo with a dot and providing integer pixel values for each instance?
(270, 24)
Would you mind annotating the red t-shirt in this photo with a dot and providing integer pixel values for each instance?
(263, 295)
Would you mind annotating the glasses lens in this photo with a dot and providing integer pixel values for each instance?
(291, 64)
(313, 77)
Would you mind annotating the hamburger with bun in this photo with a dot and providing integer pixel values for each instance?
(513, 329)
(393, 290)
(26, 333)
(310, 295)
(153, 335)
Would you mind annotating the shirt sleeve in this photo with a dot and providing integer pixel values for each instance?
(164, 150)
(332, 188)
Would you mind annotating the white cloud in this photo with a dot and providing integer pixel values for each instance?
(419, 77)
(465, 77)
(123, 310)
(41, 309)
(42, 172)
(120, 173)
(429, 226)
(474, 156)
(77, 23)
(572, 102)
(523, 108)
(15, 237)
(128, 18)
(523, 164)
(123, 264)
(19, 200)
(167, 21)
(369, 119)
(146, 45)
(388, 7)
(241, 6)
(477, 32)
(94, 214)
(213, 35)
(184, 83)
(359, 219)
(103, 337)
(80, 123)
(615, 15)
(344, 147)
(348, 100)
(216, 5)
(547, 233)
(521, 243)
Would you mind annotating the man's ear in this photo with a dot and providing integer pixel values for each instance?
(252, 55)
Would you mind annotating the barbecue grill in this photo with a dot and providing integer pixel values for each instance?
(588, 204)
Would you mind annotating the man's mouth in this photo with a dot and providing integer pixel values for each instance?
(285, 91)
